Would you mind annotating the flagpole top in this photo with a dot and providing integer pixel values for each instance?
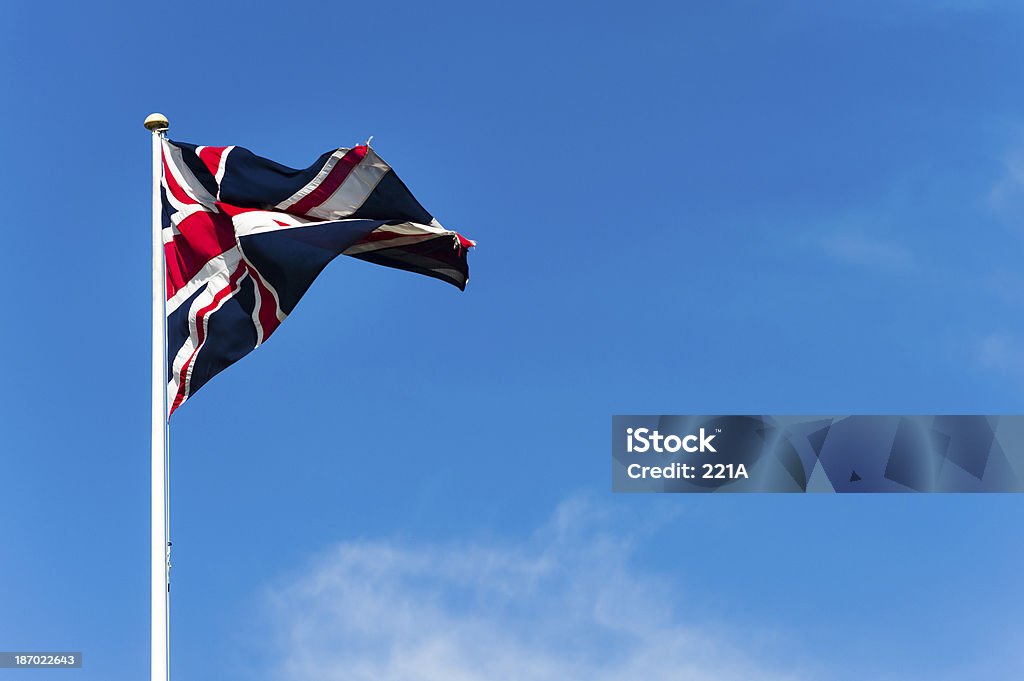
(156, 121)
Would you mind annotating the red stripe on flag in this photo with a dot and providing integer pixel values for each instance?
(176, 190)
(210, 156)
(267, 313)
(201, 334)
(203, 236)
(383, 234)
(330, 183)
(228, 209)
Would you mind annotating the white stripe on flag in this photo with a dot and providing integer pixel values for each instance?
(225, 262)
(190, 347)
(412, 232)
(184, 177)
(354, 191)
(315, 182)
(221, 167)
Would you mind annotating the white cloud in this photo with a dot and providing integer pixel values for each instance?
(964, 6)
(564, 605)
(1002, 352)
(856, 247)
(1007, 285)
(1006, 198)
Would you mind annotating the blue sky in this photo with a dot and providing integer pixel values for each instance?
(697, 207)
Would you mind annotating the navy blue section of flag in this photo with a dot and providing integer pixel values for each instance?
(290, 259)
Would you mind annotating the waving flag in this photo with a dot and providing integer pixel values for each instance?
(244, 237)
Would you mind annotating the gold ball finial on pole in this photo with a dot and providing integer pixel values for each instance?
(156, 121)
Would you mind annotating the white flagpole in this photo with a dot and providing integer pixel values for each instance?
(160, 557)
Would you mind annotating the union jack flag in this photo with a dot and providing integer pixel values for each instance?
(244, 237)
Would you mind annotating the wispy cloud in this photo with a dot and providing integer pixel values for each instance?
(857, 247)
(1007, 285)
(565, 604)
(1002, 6)
(1003, 352)
(1006, 198)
